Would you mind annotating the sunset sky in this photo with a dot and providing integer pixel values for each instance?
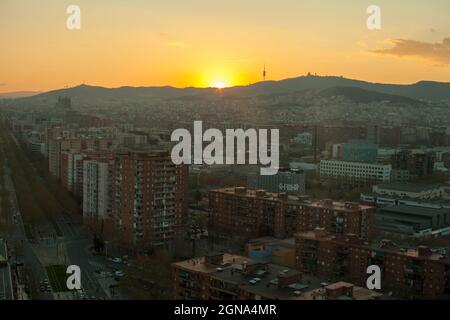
(219, 43)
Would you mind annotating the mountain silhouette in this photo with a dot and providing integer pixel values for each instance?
(326, 86)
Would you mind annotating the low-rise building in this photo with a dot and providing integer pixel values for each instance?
(412, 220)
(272, 250)
(233, 277)
(338, 218)
(409, 190)
(354, 174)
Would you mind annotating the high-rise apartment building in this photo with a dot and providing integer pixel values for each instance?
(70, 166)
(150, 197)
(54, 157)
(97, 188)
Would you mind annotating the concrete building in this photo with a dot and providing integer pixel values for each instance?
(70, 163)
(412, 220)
(97, 189)
(337, 218)
(272, 250)
(360, 151)
(406, 273)
(354, 173)
(131, 139)
(409, 190)
(150, 197)
(305, 138)
(336, 151)
(242, 214)
(54, 154)
(419, 164)
(402, 176)
(291, 181)
(6, 284)
(379, 200)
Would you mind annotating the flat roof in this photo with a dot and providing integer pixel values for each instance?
(251, 193)
(287, 243)
(324, 236)
(408, 187)
(416, 201)
(199, 265)
(340, 206)
(266, 284)
(414, 210)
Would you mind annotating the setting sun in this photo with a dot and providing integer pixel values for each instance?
(220, 84)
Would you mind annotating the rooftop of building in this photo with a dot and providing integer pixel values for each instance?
(291, 170)
(287, 243)
(408, 187)
(414, 210)
(249, 193)
(143, 152)
(272, 281)
(380, 165)
(384, 246)
(201, 265)
(435, 202)
(267, 280)
(338, 206)
(358, 293)
(360, 143)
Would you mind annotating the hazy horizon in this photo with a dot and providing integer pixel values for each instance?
(194, 87)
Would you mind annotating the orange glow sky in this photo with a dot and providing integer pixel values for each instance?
(217, 43)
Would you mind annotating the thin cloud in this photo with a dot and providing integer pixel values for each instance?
(437, 52)
(173, 43)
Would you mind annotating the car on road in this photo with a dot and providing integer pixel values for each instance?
(119, 274)
(117, 260)
(81, 295)
(44, 286)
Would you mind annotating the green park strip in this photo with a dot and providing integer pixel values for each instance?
(57, 277)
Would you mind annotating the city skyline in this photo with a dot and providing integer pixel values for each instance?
(203, 44)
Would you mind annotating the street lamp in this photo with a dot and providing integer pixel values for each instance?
(194, 233)
(106, 248)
